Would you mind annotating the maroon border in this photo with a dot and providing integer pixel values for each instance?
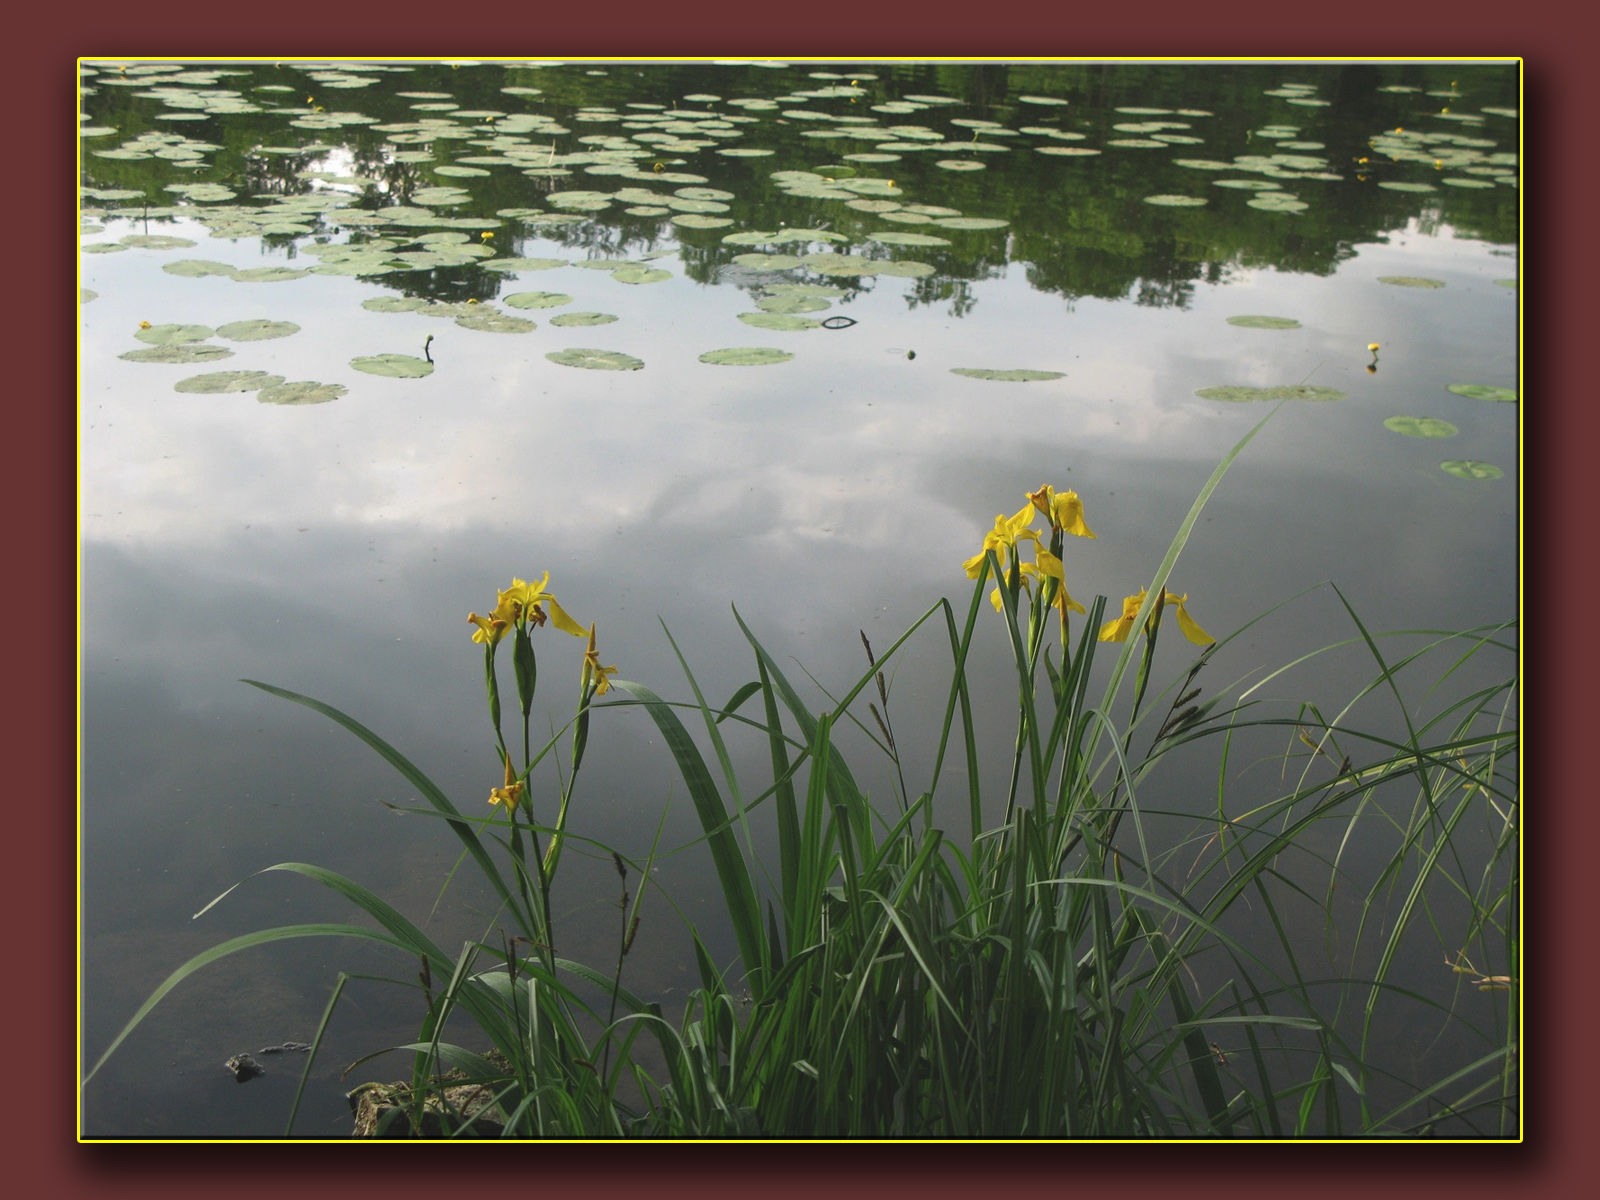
(39, 1115)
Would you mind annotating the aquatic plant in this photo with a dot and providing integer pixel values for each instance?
(1072, 971)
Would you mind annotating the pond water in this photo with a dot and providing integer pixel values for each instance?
(1102, 226)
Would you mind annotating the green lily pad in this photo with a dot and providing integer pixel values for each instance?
(269, 274)
(305, 392)
(750, 237)
(745, 356)
(218, 382)
(1011, 376)
(392, 304)
(633, 273)
(1288, 392)
(778, 320)
(1173, 201)
(171, 335)
(906, 269)
(104, 247)
(698, 221)
(1466, 468)
(183, 352)
(157, 241)
(1416, 281)
(1254, 322)
(490, 321)
(524, 264)
(1247, 185)
(1395, 185)
(256, 330)
(583, 318)
(1506, 283)
(1422, 427)
(596, 360)
(537, 299)
(87, 294)
(1480, 391)
(792, 302)
(961, 164)
(397, 366)
(971, 222)
(895, 237)
(767, 262)
(827, 263)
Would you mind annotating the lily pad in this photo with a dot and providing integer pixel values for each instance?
(1422, 427)
(256, 330)
(490, 321)
(1506, 283)
(750, 237)
(104, 247)
(524, 264)
(971, 222)
(269, 274)
(596, 360)
(778, 320)
(746, 356)
(767, 262)
(391, 304)
(87, 294)
(305, 392)
(1395, 185)
(961, 164)
(183, 352)
(1255, 322)
(583, 318)
(171, 335)
(1009, 376)
(791, 302)
(1289, 392)
(906, 269)
(1173, 201)
(157, 241)
(218, 382)
(1480, 391)
(1416, 281)
(699, 221)
(537, 299)
(1466, 468)
(633, 273)
(894, 237)
(397, 366)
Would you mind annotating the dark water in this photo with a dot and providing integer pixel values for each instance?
(336, 548)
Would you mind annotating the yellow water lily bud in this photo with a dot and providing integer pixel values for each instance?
(144, 324)
(486, 235)
(1373, 346)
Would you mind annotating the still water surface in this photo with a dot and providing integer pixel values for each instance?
(336, 547)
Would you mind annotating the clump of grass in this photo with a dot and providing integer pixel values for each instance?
(1067, 972)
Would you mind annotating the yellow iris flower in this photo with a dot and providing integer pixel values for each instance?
(1064, 510)
(1006, 533)
(512, 793)
(524, 601)
(593, 671)
(1048, 565)
(490, 629)
(1119, 629)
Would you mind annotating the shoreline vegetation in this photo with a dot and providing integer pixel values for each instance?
(1073, 971)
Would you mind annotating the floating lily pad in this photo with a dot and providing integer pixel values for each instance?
(750, 237)
(971, 222)
(104, 247)
(184, 352)
(583, 318)
(961, 164)
(906, 269)
(305, 392)
(1068, 151)
(634, 273)
(256, 330)
(767, 262)
(1416, 281)
(392, 304)
(894, 237)
(157, 241)
(218, 382)
(1466, 468)
(1422, 427)
(1286, 392)
(397, 366)
(537, 299)
(490, 321)
(1172, 201)
(699, 221)
(778, 320)
(87, 294)
(792, 302)
(1254, 322)
(524, 264)
(596, 360)
(171, 335)
(746, 356)
(269, 274)
(1506, 283)
(1479, 391)
(1011, 376)
(1395, 185)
